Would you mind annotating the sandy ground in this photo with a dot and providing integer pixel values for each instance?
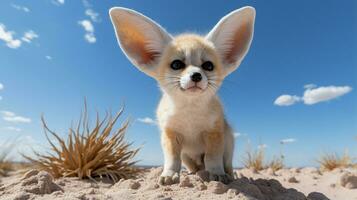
(286, 184)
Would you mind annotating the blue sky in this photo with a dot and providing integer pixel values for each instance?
(54, 53)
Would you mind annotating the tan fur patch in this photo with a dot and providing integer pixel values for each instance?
(172, 141)
(214, 139)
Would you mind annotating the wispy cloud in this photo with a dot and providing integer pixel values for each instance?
(89, 29)
(89, 36)
(1, 88)
(12, 117)
(262, 146)
(8, 37)
(86, 3)
(7, 113)
(58, 2)
(12, 128)
(92, 14)
(21, 8)
(147, 120)
(48, 57)
(12, 42)
(287, 140)
(29, 36)
(309, 86)
(237, 135)
(313, 95)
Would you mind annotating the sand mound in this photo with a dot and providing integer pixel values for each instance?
(248, 185)
(32, 184)
(349, 180)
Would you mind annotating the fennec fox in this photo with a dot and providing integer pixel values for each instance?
(189, 69)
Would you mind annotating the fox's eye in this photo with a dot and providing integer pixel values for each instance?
(208, 66)
(177, 64)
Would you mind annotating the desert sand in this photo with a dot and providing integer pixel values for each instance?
(285, 184)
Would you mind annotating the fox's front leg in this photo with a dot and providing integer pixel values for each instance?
(171, 143)
(214, 151)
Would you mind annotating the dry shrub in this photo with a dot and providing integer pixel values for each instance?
(276, 164)
(90, 153)
(5, 163)
(331, 161)
(254, 159)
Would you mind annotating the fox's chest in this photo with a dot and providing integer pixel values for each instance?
(190, 126)
(189, 121)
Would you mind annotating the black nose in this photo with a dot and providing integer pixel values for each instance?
(196, 77)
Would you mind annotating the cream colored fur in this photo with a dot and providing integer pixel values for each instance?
(190, 115)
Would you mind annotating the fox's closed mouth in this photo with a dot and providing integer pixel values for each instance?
(193, 89)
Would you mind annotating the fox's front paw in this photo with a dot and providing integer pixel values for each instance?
(225, 178)
(169, 178)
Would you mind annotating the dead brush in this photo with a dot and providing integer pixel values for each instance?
(5, 163)
(90, 153)
(276, 164)
(254, 159)
(331, 161)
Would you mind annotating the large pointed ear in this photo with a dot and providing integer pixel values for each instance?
(141, 39)
(232, 37)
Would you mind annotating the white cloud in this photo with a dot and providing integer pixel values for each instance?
(89, 28)
(237, 135)
(287, 140)
(12, 117)
(49, 57)
(12, 128)
(90, 37)
(92, 14)
(87, 25)
(286, 100)
(147, 120)
(313, 95)
(309, 86)
(29, 36)
(21, 8)
(320, 94)
(8, 113)
(8, 37)
(17, 119)
(262, 146)
(58, 2)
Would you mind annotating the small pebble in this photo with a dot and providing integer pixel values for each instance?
(186, 182)
(201, 187)
(217, 187)
(292, 180)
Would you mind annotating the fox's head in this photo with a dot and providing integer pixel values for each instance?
(188, 64)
